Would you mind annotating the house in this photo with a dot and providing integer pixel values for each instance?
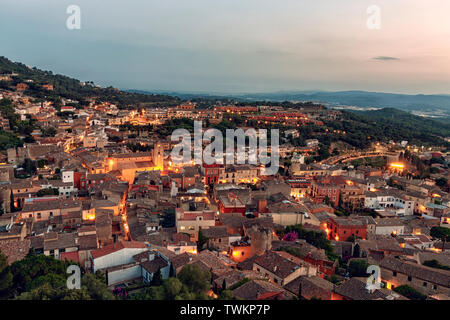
(281, 268)
(352, 197)
(389, 226)
(231, 203)
(15, 249)
(228, 280)
(238, 174)
(211, 173)
(419, 241)
(177, 262)
(191, 221)
(430, 281)
(116, 254)
(312, 143)
(287, 212)
(155, 261)
(355, 289)
(393, 199)
(262, 290)
(314, 256)
(324, 190)
(40, 209)
(54, 244)
(218, 238)
(342, 228)
(311, 288)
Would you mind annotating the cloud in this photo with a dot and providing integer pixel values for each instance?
(385, 58)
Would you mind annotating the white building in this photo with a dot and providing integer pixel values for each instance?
(387, 226)
(389, 199)
(117, 254)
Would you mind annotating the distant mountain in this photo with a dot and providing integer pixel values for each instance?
(423, 105)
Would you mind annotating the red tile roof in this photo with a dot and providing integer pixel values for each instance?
(70, 256)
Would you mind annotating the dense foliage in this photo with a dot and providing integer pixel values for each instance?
(39, 277)
(410, 293)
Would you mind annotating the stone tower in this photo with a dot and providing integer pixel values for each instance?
(158, 155)
(260, 239)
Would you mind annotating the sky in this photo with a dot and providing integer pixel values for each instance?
(236, 46)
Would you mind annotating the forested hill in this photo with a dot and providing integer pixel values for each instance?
(70, 88)
(394, 123)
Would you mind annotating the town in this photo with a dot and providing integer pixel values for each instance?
(93, 183)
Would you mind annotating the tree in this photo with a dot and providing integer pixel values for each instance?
(172, 288)
(356, 251)
(441, 182)
(202, 240)
(171, 272)
(358, 268)
(157, 278)
(41, 163)
(27, 271)
(48, 192)
(194, 278)
(441, 233)
(96, 288)
(227, 295)
(435, 264)
(11, 202)
(410, 292)
(6, 277)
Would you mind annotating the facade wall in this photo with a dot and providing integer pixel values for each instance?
(116, 277)
(287, 219)
(393, 281)
(123, 256)
(388, 230)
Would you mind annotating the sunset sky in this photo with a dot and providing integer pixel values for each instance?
(236, 45)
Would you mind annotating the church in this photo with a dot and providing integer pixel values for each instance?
(125, 166)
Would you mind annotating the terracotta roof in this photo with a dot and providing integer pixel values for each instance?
(180, 260)
(116, 247)
(155, 264)
(88, 242)
(438, 276)
(254, 289)
(294, 285)
(15, 249)
(70, 256)
(215, 232)
(276, 264)
(355, 289)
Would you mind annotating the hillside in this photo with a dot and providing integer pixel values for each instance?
(70, 88)
(395, 124)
